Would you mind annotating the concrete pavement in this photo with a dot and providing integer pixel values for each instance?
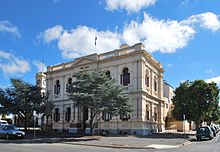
(154, 141)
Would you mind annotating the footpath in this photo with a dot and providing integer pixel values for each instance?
(155, 141)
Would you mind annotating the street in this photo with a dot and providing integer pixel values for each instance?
(195, 146)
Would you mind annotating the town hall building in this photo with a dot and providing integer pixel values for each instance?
(130, 66)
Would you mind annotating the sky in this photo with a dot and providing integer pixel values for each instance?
(183, 35)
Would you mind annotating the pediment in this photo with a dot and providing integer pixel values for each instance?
(82, 61)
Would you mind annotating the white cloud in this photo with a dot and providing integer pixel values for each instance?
(214, 79)
(166, 36)
(169, 65)
(128, 5)
(81, 40)
(209, 71)
(7, 27)
(51, 34)
(158, 35)
(11, 64)
(40, 65)
(206, 20)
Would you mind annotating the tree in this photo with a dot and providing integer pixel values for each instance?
(197, 100)
(21, 99)
(96, 91)
(214, 113)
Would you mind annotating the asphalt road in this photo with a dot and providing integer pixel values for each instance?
(201, 146)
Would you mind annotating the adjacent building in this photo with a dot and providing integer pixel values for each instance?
(132, 67)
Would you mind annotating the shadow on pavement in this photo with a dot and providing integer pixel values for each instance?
(43, 140)
(55, 138)
(170, 135)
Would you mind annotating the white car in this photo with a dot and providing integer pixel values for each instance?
(3, 122)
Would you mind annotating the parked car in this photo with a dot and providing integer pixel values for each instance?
(204, 132)
(10, 131)
(213, 130)
(3, 122)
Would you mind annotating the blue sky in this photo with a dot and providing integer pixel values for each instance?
(184, 35)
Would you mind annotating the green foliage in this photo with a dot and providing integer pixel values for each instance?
(22, 98)
(96, 91)
(198, 100)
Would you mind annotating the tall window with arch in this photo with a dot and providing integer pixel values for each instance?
(108, 74)
(69, 82)
(57, 87)
(125, 77)
(147, 79)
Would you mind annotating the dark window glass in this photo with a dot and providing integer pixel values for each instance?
(57, 88)
(57, 115)
(108, 73)
(68, 114)
(124, 117)
(147, 112)
(125, 77)
(147, 80)
(68, 85)
(106, 116)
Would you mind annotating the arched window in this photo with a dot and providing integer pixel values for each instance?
(56, 115)
(125, 77)
(108, 74)
(147, 79)
(69, 82)
(57, 87)
(155, 83)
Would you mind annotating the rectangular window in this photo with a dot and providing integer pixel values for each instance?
(124, 117)
(155, 86)
(148, 115)
(126, 79)
(74, 111)
(106, 116)
(148, 81)
(68, 115)
(56, 115)
(155, 116)
(147, 112)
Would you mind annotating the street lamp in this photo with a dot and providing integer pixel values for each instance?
(184, 129)
(34, 114)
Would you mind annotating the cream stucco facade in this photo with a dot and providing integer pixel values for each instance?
(145, 84)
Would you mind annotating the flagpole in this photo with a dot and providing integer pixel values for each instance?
(95, 43)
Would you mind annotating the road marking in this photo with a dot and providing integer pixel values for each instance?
(161, 146)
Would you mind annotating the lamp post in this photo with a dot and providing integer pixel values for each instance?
(184, 129)
(34, 114)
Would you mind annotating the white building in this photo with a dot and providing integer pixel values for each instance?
(131, 66)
